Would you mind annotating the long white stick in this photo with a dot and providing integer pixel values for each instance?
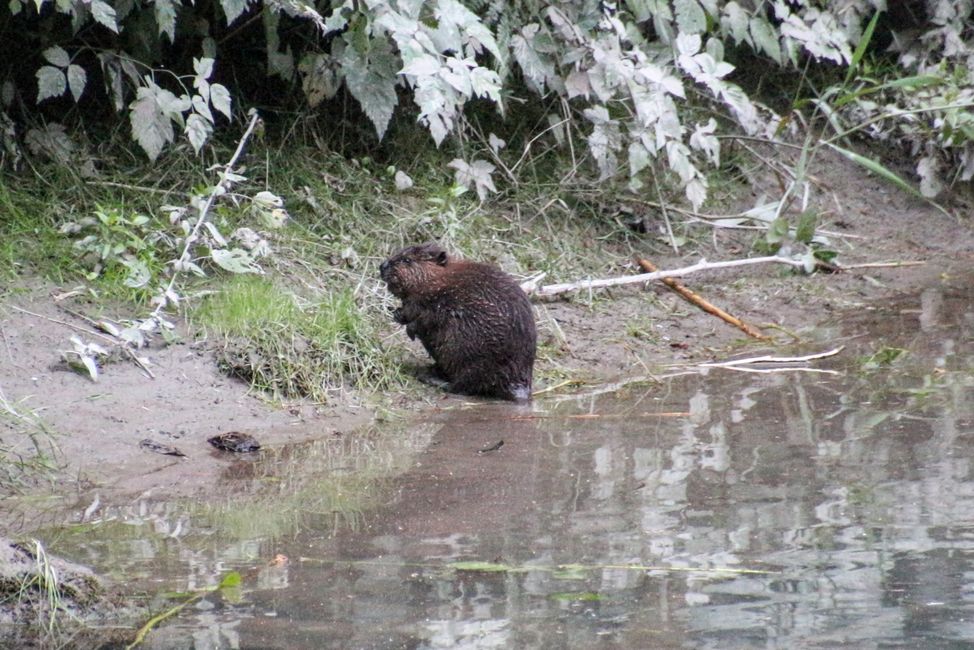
(702, 265)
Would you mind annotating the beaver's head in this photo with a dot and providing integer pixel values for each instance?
(413, 268)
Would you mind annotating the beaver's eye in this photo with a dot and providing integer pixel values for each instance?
(406, 260)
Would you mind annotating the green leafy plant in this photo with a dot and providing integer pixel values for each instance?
(627, 78)
(112, 237)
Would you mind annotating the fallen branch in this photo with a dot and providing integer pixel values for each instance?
(697, 300)
(703, 265)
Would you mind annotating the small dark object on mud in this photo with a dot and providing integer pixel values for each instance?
(159, 448)
(473, 319)
(235, 441)
(494, 447)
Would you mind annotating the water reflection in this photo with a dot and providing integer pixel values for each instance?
(784, 510)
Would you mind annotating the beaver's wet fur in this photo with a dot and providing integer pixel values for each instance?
(472, 318)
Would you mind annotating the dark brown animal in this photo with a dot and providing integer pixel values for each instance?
(473, 319)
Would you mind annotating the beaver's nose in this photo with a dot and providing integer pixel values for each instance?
(384, 267)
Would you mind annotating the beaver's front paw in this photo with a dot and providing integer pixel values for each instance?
(399, 316)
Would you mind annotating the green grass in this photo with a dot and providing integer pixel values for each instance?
(28, 455)
(293, 347)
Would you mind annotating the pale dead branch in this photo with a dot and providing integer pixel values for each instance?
(703, 265)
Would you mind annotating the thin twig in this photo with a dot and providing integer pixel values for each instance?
(105, 337)
(747, 214)
(881, 265)
(126, 186)
(699, 301)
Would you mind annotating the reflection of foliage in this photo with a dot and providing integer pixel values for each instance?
(327, 483)
(881, 358)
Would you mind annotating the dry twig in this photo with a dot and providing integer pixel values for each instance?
(697, 300)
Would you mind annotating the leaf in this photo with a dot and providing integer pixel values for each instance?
(535, 66)
(233, 9)
(51, 82)
(928, 169)
(220, 99)
(690, 17)
(232, 579)
(104, 14)
(268, 200)
(457, 25)
(56, 55)
(198, 130)
(485, 82)
(734, 20)
(403, 181)
(495, 143)
(766, 38)
(319, 78)
(703, 138)
(77, 78)
(877, 169)
(807, 223)
(165, 11)
(90, 365)
(203, 68)
(696, 191)
(424, 64)
(235, 260)
(202, 108)
(604, 141)
(475, 175)
(151, 128)
(371, 78)
(138, 274)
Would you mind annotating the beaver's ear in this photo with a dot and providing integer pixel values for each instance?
(441, 258)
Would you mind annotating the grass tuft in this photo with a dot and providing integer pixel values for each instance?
(295, 348)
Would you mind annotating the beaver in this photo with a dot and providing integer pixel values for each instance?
(473, 319)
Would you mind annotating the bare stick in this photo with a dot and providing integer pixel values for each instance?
(747, 214)
(881, 265)
(697, 300)
(104, 337)
(703, 265)
(125, 186)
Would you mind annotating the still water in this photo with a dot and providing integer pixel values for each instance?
(718, 509)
